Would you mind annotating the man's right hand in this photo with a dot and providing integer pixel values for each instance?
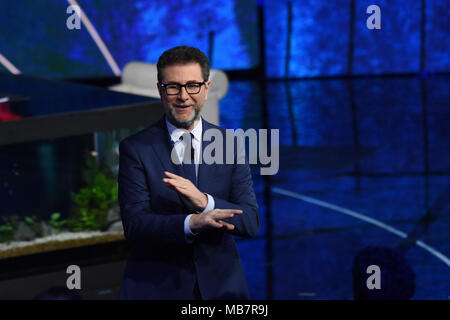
(212, 220)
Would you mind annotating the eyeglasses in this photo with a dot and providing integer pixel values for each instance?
(175, 88)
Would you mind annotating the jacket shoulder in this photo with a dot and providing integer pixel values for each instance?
(208, 125)
(144, 136)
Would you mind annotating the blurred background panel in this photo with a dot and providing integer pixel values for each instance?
(292, 46)
(35, 37)
(36, 40)
(397, 48)
(437, 41)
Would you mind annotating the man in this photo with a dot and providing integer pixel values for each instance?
(180, 218)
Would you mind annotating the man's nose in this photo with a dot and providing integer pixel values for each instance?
(183, 95)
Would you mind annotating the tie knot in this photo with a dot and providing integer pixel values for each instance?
(187, 136)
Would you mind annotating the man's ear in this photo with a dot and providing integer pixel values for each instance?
(207, 85)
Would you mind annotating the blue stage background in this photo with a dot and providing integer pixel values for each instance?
(304, 38)
(395, 113)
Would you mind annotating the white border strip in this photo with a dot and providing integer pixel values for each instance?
(361, 217)
(8, 65)
(98, 41)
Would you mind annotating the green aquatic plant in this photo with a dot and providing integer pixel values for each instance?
(6, 233)
(9, 227)
(93, 202)
(33, 224)
(56, 222)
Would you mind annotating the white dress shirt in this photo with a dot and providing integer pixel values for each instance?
(179, 145)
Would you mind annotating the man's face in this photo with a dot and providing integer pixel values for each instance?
(183, 109)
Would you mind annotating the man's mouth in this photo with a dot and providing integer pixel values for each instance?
(180, 106)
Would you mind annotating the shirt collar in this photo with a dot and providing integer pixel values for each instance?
(175, 133)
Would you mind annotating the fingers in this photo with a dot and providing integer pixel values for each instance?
(227, 211)
(217, 216)
(173, 178)
(185, 187)
(175, 183)
(172, 175)
(213, 220)
(215, 224)
(227, 225)
(221, 224)
(220, 214)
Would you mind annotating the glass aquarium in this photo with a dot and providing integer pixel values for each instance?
(59, 161)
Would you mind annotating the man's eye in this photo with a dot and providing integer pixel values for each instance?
(172, 86)
(193, 85)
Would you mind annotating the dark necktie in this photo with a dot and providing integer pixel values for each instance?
(188, 158)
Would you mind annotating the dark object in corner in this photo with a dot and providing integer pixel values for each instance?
(58, 293)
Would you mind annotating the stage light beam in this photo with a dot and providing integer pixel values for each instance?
(97, 39)
(8, 65)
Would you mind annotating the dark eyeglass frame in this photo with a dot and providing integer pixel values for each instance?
(164, 85)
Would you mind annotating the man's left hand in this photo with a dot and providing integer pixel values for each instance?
(187, 188)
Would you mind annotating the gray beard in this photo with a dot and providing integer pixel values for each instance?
(182, 124)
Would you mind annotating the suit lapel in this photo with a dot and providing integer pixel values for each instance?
(204, 170)
(162, 147)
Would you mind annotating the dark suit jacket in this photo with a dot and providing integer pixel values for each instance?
(162, 264)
